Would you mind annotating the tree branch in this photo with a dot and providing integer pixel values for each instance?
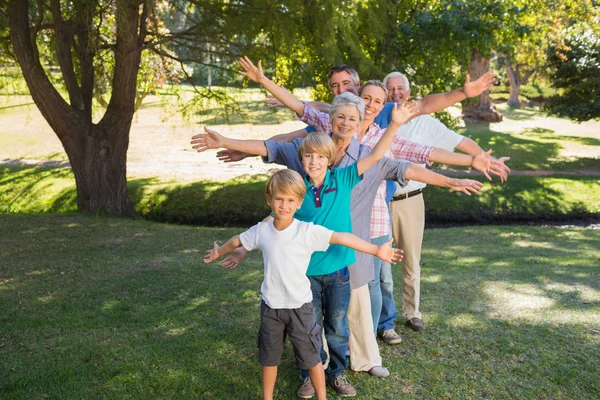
(64, 43)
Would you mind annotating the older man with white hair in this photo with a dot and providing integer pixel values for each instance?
(408, 209)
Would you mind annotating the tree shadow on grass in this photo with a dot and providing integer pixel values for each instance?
(116, 321)
(528, 153)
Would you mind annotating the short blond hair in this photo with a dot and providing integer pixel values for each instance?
(319, 143)
(286, 181)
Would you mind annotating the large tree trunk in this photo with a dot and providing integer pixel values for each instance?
(97, 152)
(483, 110)
(515, 84)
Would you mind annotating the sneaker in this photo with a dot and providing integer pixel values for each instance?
(390, 337)
(416, 324)
(341, 386)
(307, 390)
(379, 371)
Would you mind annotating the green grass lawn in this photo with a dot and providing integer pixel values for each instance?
(96, 307)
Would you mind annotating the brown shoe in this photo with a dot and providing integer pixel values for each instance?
(341, 386)
(307, 390)
(416, 324)
(390, 337)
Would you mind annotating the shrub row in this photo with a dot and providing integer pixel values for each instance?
(241, 202)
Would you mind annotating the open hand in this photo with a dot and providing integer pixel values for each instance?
(272, 102)
(482, 162)
(209, 140)
(402, 112)
(483, 83)
(498, 167)
(231, 155)
(212, 254)
(388, 254)
(465, 185)
(235, 258)
(252, 72)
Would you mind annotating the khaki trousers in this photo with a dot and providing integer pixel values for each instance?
(408, 224)
(364, 351)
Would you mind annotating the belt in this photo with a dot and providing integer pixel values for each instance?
(407, 195)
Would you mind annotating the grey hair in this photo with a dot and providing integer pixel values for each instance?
(396, 74)
(347, 99)
(343, 68)
(373, 82)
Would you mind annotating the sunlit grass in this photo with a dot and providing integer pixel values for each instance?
(108, 308)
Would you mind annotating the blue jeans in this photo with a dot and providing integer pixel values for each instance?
(381, 289)
(331, 298)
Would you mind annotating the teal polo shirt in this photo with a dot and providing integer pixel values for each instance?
(329, 206)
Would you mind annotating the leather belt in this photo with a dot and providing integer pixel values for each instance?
(407, 195)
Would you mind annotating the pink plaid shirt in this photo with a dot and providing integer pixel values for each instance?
(400, 148)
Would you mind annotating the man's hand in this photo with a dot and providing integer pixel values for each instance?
(498, 167)
(402, 113)
(235, 258)
(212, 254)
(209, 140)
(232, 155)
(389, 254)
(252, 72)
(465, 185)
(482, 162)
(483, 83)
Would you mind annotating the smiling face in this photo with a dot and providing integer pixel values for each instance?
(284, 205)
(374, 98)
(315, 164)
(341, 82)
(398, 89)
(345, 122)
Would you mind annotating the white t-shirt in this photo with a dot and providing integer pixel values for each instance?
(286, 256)
(431, 132)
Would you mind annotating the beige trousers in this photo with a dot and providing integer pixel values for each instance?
(408, 224)
(364, 351)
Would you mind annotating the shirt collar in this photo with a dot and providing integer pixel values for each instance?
(325, 181)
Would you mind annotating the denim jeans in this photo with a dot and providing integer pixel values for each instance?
(331, 298)
(381, 289)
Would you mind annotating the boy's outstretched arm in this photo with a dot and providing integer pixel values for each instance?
(400, 115)
(256, 74)
(420, 174)
(214, 140)
(218, 251)
(385, 251)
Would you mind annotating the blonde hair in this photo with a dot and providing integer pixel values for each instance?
(374, 82)
(286, 181)
(318, 143)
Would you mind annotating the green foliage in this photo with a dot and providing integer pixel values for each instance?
(532, 92)
(576, 65)
(240, 202)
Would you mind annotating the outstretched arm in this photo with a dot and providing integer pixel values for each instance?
(420, 174)
(496, 167)
(440, 101)
(400, 115)
(218, 251)
(384, 252)
(256, 74)
(214, 140)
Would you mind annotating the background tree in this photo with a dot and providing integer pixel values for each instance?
(576, 70)
(98, 46)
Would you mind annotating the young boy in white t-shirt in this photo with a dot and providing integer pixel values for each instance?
(286, 308)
